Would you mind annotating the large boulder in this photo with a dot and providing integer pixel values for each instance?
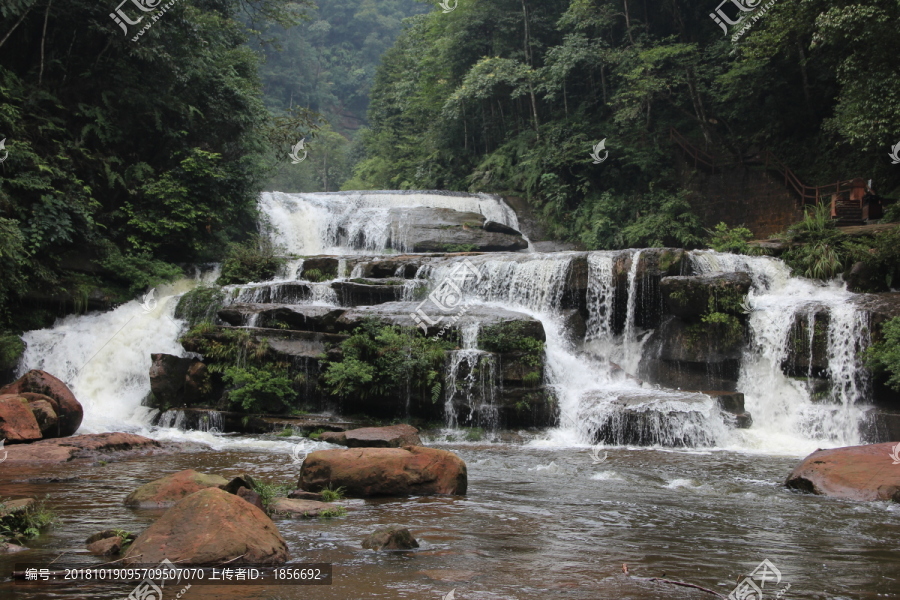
(17, 422)
(44, 408)
(69, 410)
(306, 509)
(168, 374)
(422, 229)
(409, 471)
(169, 490)
(393, 436)
(210, 527)
(870, 472)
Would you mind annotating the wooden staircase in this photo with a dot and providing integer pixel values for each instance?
(845, 197)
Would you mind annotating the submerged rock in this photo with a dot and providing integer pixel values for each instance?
(210, 527)
(393, 436)
(870, 472)
(392, 537)
(68, 410)
(167, 491)
(409, 471)
(302, 508)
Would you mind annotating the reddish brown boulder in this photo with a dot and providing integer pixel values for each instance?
(68, 408)
(870, 472)
(44, 410)
(87, 446)
(210, 527)
(169, 490)
(394, 436)
(17, 422)
(409, 471)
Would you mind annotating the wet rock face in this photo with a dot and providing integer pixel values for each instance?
(410, 471)
(394, 436)
(446, 230)
(68, 410)
(691, 297)
(210, 527)
(856, 473)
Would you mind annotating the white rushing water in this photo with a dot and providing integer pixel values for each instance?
(361, 222)
(784, 412)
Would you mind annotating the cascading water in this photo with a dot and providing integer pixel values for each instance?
(782, 407)
(361, 222)
(471, 383)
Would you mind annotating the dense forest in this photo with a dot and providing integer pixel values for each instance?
(510, 96)
(137, 137)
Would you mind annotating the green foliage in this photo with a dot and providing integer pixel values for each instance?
(330, 513)
(882, 258)
(512, 337)
(883, 357)
(11, 349)
(379, 361)
(460, 248)
(474, 434)
(133, 155)
(723, 238)
(269, 492)
(254, 260)
(330, 495)
(286, 432)
(259, 390)
(817, 248)
(200, 305)
(27, 523)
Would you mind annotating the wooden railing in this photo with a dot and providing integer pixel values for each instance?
(807, 193)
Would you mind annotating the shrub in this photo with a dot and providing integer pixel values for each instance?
(256, 389)
(254, 260)
(818, 250)
(268, 492)
(883, 357)
(379, 360)
(734, 240)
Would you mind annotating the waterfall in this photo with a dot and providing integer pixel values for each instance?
(361, 222)
(601, 296)
(105, 357)
(472, 381)
(784, 408)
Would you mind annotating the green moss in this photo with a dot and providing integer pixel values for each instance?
(883, 357)
(200, 305)
(255, 260)
(26, 523)
(460, 248)
(11, 350)
(512, 337)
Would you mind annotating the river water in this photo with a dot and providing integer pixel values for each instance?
(541, 519)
